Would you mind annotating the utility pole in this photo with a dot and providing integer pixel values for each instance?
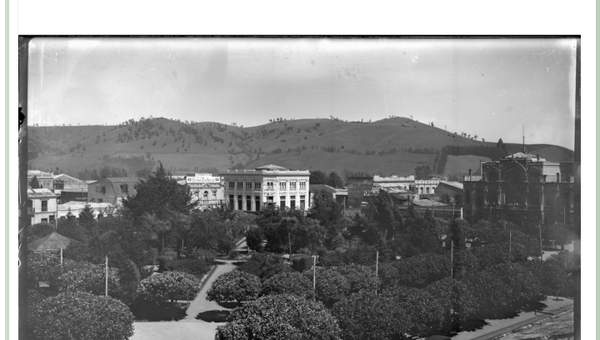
(452, 259)
(510, 245)
(106, 276)
(376, 269)
(315, 275)
(61, 256)
(541, 250)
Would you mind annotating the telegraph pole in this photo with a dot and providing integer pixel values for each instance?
(376, 269)
(106, 276)
(315, 275)
(452, 259)
(61, 256)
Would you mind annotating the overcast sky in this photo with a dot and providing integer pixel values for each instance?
(486, 87)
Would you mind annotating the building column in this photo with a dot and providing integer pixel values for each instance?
(235, 201)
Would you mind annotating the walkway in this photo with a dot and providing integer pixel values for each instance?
(188, 328)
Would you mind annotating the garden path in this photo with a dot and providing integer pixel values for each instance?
(188, 328)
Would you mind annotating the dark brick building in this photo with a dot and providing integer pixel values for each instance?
(523, 188)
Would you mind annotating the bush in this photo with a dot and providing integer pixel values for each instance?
(168, 286)
(192, 266)
(367, 316)
(420, 270)
(288, 283)
(359, 277)
(90, 278)
(82, 316)
(280, 317)
(235, 286)
(331, 286)
(265, 265)
(503, 290)
(456, 300)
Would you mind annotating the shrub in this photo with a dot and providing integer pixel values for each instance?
(235, 286)
(82, 316)
(331, 286)
(168, 286)
(367, 316)
(359, 277)
(420, 270)
(503, 290)
(280, 317)
(456, 300)
(288, 283)
(192, 266)
(90, 278)
(424, 311)
(265, 265)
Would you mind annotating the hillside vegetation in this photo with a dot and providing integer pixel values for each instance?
(389, 146)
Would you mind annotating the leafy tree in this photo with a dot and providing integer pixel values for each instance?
(280, 317)
(168, 286)
(34, 183)
(331, 286)
(418, 271)
(70, 227)
(456, 300)
(318, 177)
(86, 218)
(236, 286)
(359, 277)
(265, 265)
(424, 311)
(365, 315)
(325, 209)
(82, 316)
(161, 204)
(90, 278)
(254, 239)
(335, 180)
(288, 283)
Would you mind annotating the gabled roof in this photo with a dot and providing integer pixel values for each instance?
(457, 185)
(39, 174)
(51, 241)
(61, 176)
(40, 193)
(271, 167)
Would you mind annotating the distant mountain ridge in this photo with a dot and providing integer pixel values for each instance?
(389, 146)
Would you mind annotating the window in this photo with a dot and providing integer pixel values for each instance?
(248, 203)
(257, 203)
(214, 192)
(427, 189)
(302, 185)
(270, 199)
(282, 202)
(292, 185)
(257, 186)
(231, 199)
(248, 185)
(124, 188)
(282, 186)
(103, 190)
(240, 185)
(302, 202)
(44, 220)
(44, 205)
(292, 202)
(270, 185)
(240, 205)
(205, 194)
(51, 218)
(231, 185)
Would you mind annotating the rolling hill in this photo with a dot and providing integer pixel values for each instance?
(389, 146)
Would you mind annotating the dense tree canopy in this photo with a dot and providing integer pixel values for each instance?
(274, 317)
(235, 286)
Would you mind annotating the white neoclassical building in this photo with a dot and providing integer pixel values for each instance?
(268, 185)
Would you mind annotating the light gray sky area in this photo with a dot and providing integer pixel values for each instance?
(487, 87)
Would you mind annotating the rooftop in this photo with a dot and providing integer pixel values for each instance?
(41, 192)
(527, 156)
(52, 241)
(271, 167)
(39, 173)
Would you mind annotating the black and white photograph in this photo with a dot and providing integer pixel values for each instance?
(300, 187)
